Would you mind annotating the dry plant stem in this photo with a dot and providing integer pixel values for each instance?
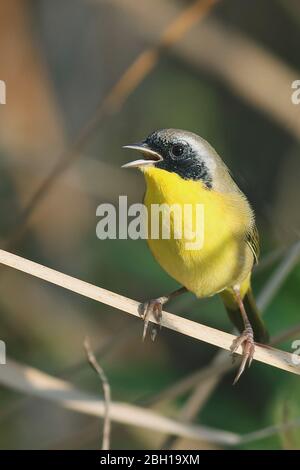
(209, 373)
(112, 103)
(105, 351)
(36, 383)
(173, 391)
(205, 387)
(269, 431)
(29, 380)
(220, 366)
(267, 355)
(207, 378)
(106, 392)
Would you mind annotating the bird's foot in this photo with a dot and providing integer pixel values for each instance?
(153, 308)
(245, 340)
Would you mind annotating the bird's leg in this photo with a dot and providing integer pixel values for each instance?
(154, 307)
(246, 339)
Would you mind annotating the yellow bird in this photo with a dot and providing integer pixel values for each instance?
(181, 168)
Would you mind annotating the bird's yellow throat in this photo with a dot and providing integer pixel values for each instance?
(223, 259)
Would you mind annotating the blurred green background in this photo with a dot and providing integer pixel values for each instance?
(59, 60)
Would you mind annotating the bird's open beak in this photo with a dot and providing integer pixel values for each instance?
(150, 157)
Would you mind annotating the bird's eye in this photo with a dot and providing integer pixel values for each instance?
(177, 150)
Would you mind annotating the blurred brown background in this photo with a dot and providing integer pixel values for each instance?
(229, 80)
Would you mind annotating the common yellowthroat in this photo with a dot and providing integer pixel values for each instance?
(182, 168)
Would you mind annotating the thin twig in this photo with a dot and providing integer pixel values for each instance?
(205, 387)
(173, 391)
(106, 350)
(212, 373)
(224, 365)
(112, 103)
(32, 381)
(207, 379)
(106, 392)
(269, 431)
(274, 357)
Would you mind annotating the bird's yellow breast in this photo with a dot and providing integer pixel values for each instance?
(224, 259)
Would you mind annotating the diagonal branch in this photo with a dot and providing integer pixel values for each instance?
(32, 381)
(208, 378)
(106, 392)
(274, 357)
(37, 383)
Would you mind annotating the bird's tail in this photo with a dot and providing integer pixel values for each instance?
(261, 334)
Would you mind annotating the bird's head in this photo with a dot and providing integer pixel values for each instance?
(177, 151)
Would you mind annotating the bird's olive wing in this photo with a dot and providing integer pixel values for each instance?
(252, 239)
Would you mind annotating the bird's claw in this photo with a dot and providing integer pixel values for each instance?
(151, 307)
(247, 342)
